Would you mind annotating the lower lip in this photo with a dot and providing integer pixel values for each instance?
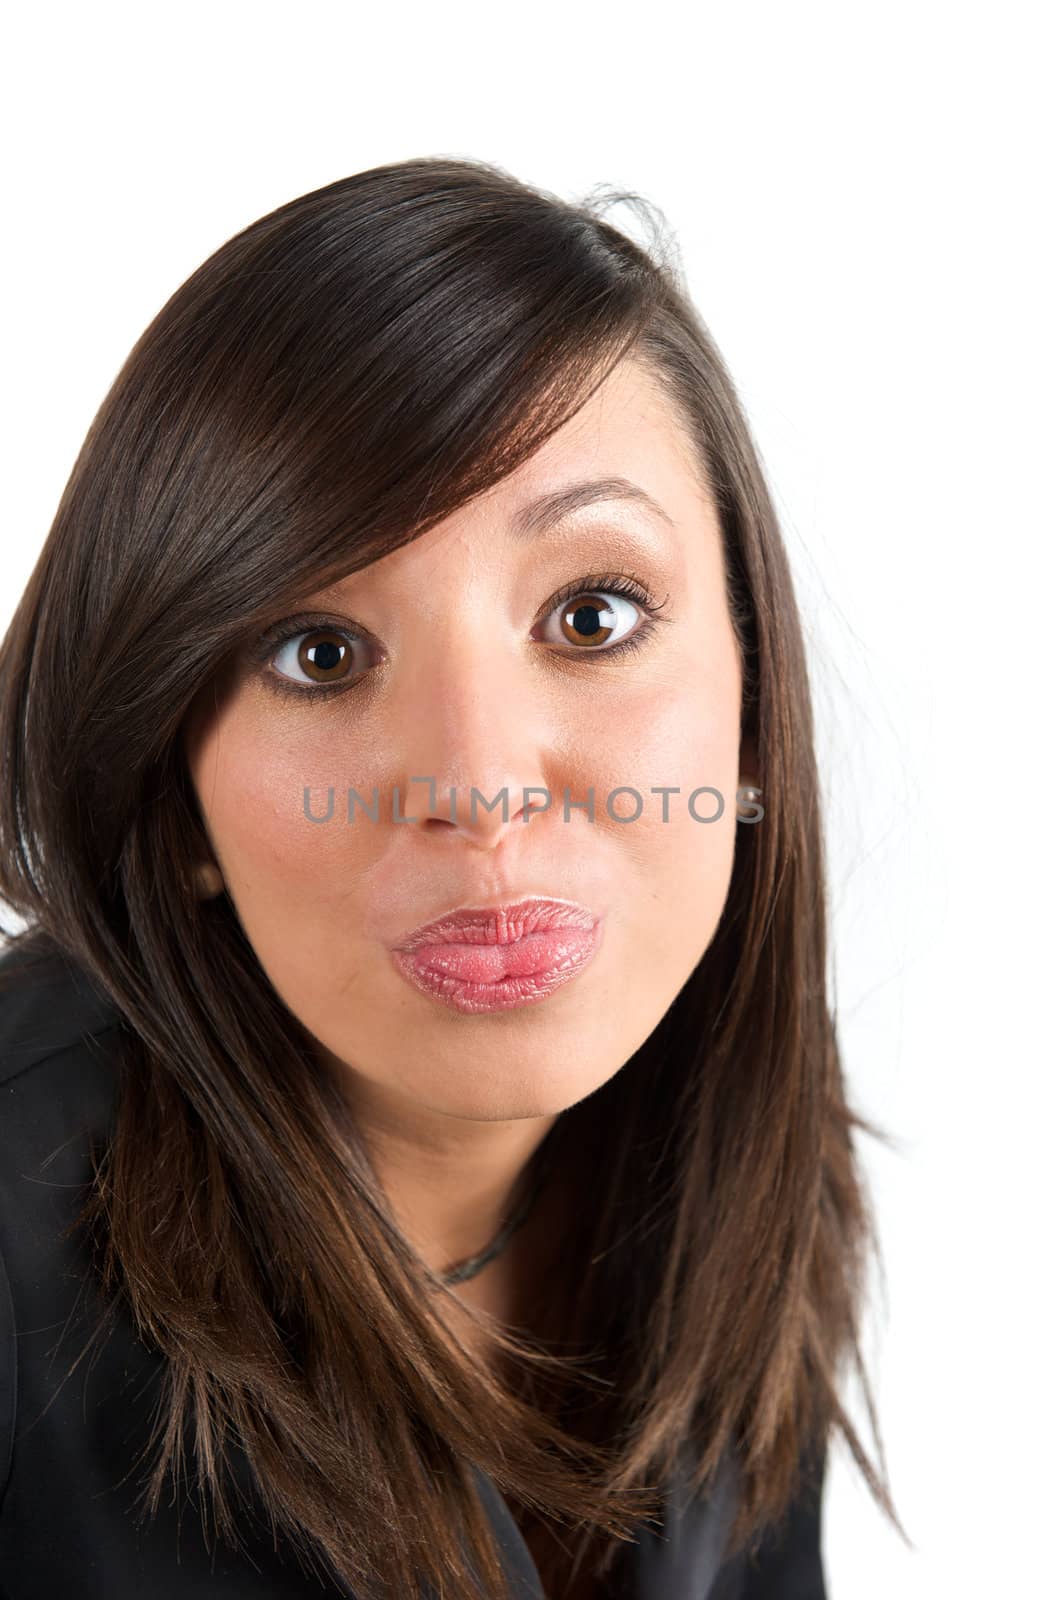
(480, 977)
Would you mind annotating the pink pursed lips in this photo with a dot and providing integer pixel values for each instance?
(494, 958)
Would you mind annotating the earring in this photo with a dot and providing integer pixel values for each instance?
(749, 796)
(207, 880)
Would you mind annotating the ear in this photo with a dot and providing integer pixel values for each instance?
(207, 880)
(749, 766)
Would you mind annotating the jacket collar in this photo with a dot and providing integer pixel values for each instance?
(678, 1561)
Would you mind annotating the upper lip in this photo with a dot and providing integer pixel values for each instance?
(501, 924)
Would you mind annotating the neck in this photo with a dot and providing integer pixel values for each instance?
(452, 1182)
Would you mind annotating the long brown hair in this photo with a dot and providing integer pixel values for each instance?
(333, 381)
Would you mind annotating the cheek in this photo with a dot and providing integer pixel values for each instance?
(687, 741)
(252, 788)
(294, 883)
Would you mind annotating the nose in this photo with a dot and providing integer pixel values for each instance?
(472, 758)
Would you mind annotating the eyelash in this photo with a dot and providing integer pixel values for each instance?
(273, 639)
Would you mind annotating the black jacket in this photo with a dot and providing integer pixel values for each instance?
(69, 1445)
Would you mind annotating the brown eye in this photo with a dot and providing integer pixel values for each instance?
(594, 619)
(323, 655)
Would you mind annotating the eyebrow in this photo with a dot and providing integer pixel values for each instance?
(543, 512)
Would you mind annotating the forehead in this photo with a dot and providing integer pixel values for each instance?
(626, 451)
(628, 428)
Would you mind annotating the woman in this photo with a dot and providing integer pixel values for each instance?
(421, 1010)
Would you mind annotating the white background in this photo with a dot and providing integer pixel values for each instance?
(864, 198)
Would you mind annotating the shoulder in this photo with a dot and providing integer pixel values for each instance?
(48, 1004)
(786, 1563)
(58, 1038)
(58, 1083)
(58, 1034)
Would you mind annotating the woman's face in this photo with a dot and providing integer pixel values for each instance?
(454, 662)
